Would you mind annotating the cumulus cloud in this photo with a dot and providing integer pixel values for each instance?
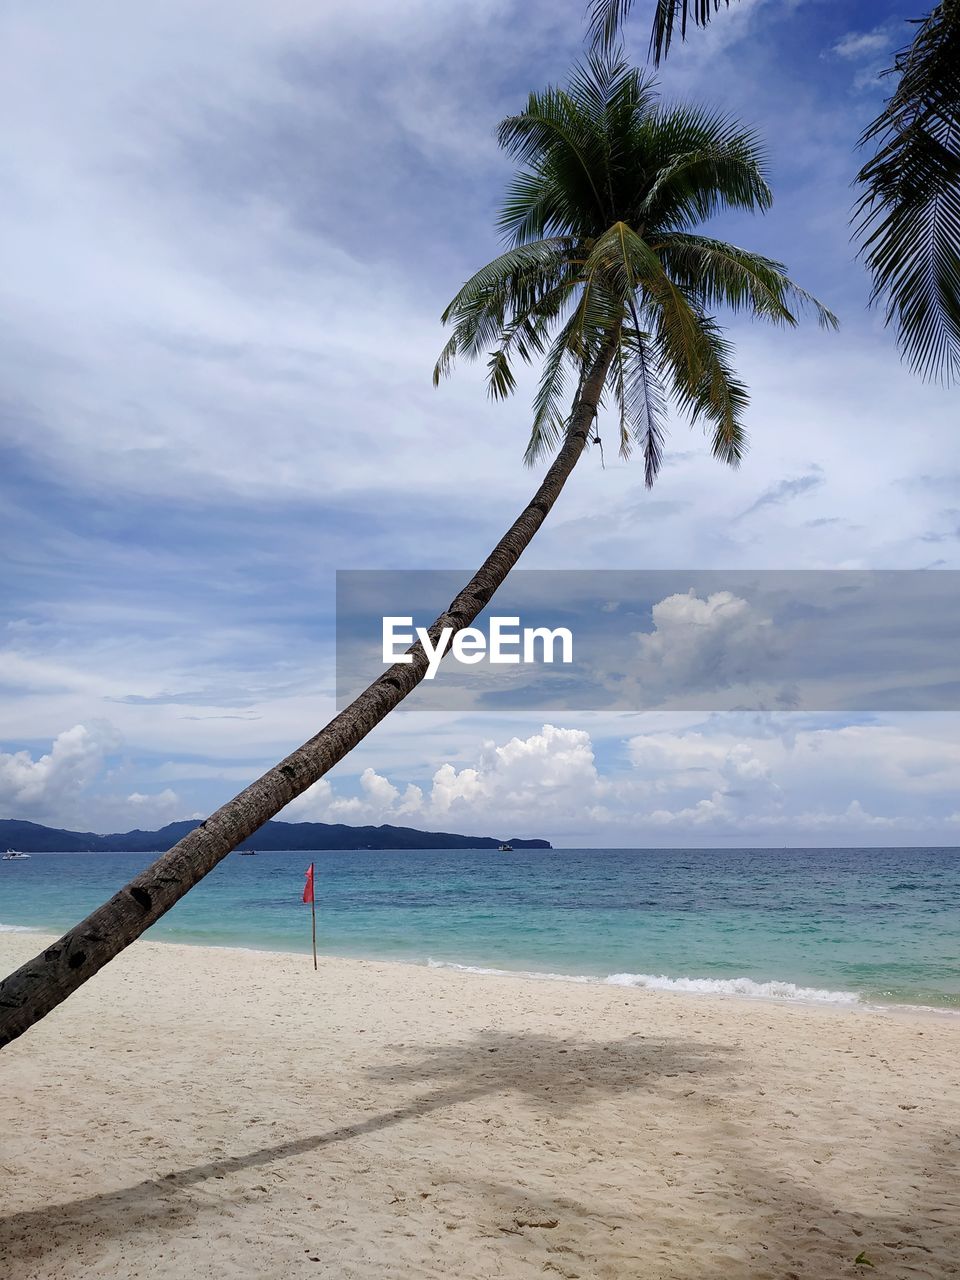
(701, 644)
(71, 785)
(843, 783)
(36, 787)
(700, 761)
(729, 779)
(155, 809)
(523, 772)
(518, 782)
(379, 801)
(718, 783)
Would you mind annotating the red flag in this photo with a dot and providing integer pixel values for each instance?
(308, 887)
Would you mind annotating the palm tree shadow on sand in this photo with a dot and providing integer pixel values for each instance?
(556, 1074)
(558, 1077)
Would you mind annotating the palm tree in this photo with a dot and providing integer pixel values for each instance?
(908, 213)
(610, 278)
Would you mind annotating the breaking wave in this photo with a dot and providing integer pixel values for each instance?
(746, 987)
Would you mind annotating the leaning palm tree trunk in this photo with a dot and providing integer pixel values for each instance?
(40, 985)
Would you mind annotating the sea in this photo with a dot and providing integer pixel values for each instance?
(829, 926)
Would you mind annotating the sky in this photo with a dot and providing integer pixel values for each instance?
(228, 234)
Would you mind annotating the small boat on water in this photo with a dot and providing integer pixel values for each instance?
(14, 855)
(246, 853)
(505, 848)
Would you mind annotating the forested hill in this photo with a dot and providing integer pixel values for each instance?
(30, 837)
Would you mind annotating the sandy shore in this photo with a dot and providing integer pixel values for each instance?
(204, 1113)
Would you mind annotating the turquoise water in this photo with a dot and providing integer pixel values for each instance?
(838, 925)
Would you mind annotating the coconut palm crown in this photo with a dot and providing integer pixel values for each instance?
(609, 269)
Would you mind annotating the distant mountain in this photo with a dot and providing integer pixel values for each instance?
(30, 837)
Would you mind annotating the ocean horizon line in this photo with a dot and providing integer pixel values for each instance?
(553, 848)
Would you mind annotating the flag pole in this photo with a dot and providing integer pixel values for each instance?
(313, 917)
(311, 897)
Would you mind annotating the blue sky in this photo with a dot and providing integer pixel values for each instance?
(228, 234)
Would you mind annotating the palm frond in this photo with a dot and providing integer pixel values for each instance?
(605, 79)
(623, 258)
(552, 128)
(712, 162)
(639, 393)
(522, 284)
(525, 336)
(716, 395)
(444, 365)
(597, 313)
(530, 208)
(569, 142)
(648, 426)
(530, 261)
(607, 18)
(678, 326)
(721, 274)
(549, 413)
(909, 210)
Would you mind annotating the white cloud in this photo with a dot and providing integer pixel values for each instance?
(859, 44)
(872, 50)
(518, 782)
(73, 785)
(730, 779)
(380, 801)
(702, 644)
(378, 789)
(706, 785)
(543, 769)
(41, 787)
(157, 809)
(713, 812)
(220, 173)
(698, 760)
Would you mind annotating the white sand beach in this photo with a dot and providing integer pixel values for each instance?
(211, 1113)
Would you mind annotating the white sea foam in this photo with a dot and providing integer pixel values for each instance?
(17, 928)
(748, 987)
(510, 973)
(733, 987)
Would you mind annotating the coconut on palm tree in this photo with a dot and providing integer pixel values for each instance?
(908, 213)
(612, 283)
